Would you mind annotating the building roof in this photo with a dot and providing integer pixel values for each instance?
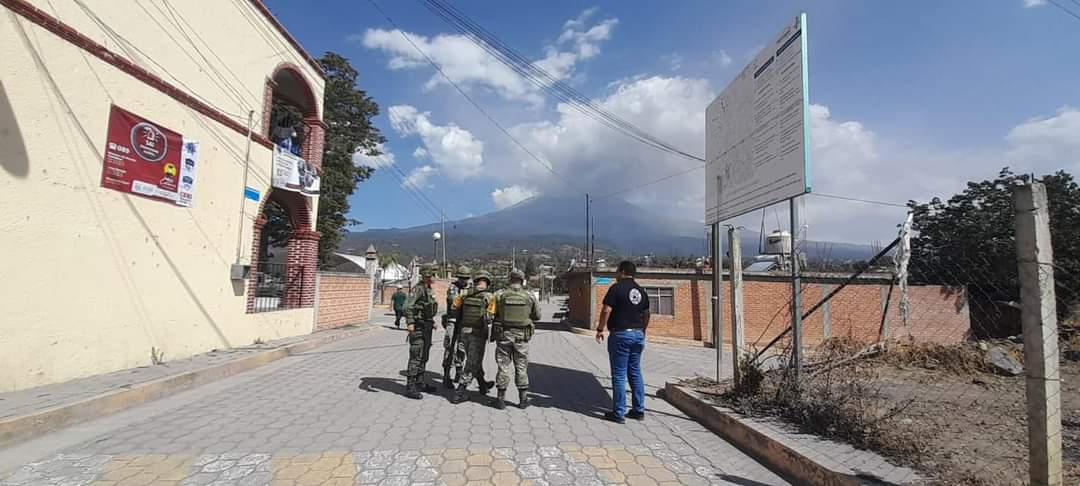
(371, 249)
(346, 263)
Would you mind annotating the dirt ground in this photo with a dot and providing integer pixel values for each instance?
(968, 426)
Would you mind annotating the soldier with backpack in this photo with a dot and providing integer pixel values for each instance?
(474, 315)
(454, 348)
(516, 310)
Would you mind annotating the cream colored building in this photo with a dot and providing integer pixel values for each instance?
(92, 279)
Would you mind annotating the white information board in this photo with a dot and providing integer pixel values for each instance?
(757, 143)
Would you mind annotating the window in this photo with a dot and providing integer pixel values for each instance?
(661, 300)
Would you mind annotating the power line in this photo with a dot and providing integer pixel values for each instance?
(1063, 9)
(649, 183)
(855, 199)
(544, 80)
(469, 98)
(180, 19)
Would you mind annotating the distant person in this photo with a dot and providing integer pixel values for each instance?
(626, 316)
(399, 299)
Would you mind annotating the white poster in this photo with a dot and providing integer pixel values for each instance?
(293, 173)
(189, 167)
(757, 146)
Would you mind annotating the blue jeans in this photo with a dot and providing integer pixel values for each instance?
(624, 351)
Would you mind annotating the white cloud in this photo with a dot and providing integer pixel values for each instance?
(471, 67)
(455, 150)
(1047, 143)
(420, 153)
(419, 177)
(384, 159)
(1034, 3)
(722, 58)
(508, 196)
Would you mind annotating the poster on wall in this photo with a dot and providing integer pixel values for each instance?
(294, 174)
(144, 158)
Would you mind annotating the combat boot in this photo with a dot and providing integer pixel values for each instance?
(447, 382)
(411, 391)
(499, 402)
(459, 394)
(523, 398)
(427, 387)
(485, 386)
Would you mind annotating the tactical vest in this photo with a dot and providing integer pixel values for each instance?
(425, 307)
(473, 309)
(516, 309)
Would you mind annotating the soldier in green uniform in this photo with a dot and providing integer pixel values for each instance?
(474, 314)
(420, 311)
(453, 348)
(516, 310)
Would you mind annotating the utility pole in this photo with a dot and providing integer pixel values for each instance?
(1038, 316)
(446, 266)
(592, 241)
(585, 249)
(717, 247)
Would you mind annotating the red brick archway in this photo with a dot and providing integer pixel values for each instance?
(289, 83)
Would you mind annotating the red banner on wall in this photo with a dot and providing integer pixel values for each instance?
(142, 157)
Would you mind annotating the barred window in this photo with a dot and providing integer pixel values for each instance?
(661, 300)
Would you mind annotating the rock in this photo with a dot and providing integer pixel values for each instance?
(1019, 338)
(1002, 363)
(983, 346)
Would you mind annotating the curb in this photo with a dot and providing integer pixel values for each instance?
(24, 427)
(651, 339)
(774, 453)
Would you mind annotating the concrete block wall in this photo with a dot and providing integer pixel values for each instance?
(937, 314)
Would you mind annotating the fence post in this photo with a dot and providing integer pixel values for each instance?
(1038, 305)
(737, 341)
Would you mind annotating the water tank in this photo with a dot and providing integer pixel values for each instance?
(778, 243)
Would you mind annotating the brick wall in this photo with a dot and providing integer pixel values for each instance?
(344, 299)
(937, 314)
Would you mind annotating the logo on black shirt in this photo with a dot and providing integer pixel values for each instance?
(635, 296)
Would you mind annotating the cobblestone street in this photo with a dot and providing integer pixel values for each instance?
(337, 415)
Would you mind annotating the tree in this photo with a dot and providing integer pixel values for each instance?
(969, 241)
(347, 112)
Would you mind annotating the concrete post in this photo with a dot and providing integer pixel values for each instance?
(1038, 307)
(737, 340)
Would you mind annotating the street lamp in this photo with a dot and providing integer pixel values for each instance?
(435, 237)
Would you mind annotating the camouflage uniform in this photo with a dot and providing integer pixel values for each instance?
(474, 314)
(515, 312)
(453, 358)
(420, 311)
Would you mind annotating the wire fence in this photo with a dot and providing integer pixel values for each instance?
(922, 357)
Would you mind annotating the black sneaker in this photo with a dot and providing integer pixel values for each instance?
(635, 415)
(611, 417)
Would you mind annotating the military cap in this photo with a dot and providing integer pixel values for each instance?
(462, 272)
(518, 274)
(482, 274)
(427, 272)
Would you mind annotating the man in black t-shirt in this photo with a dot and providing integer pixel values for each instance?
(626, 315)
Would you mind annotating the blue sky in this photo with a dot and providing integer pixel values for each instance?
(911, 98)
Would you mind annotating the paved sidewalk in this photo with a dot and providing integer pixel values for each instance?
(336, 415)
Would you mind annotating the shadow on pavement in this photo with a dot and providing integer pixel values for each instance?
(567, 389)
(739, 480)
(550, 326)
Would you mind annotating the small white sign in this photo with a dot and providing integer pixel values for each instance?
(757, 146)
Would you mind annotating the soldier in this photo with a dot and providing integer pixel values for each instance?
(454, 349)
(420, 312)
(474, 315)
(516, 310)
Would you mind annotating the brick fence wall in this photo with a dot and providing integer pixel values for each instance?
(937, 314)
(343, 299)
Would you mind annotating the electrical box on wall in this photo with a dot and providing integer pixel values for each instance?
(239, 271)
